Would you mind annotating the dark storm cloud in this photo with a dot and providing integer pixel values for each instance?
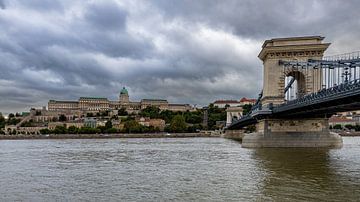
(106, 16)
(184, 51)
(2, 5)
(263, 18)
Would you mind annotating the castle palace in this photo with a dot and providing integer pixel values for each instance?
(98, 104)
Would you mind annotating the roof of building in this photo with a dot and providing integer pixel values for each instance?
(244, 99)
(226, 102)
(292, 39)
(153, 100)
(181, 105)
(63, 101)
(93, 98)
(336, 119)
(124, 91)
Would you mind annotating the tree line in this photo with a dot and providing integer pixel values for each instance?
(188, 121)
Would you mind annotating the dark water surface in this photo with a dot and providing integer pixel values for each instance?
(188, 169)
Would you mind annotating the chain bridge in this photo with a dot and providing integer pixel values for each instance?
(301, 90)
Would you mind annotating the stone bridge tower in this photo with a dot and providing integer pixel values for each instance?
(290, 49)
(296, 131)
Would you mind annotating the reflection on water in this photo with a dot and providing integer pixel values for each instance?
(175, 169)
(305, 174)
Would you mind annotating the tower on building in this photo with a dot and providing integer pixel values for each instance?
(124, 96)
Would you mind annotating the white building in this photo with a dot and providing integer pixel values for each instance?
(233, 113)
(224, 103)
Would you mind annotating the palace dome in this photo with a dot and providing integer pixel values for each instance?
(124, 91)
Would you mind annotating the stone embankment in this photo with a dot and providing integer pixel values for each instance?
(100, 136)
(234, 134)
(349, 133)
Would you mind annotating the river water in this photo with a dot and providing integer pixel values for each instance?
(188, 169)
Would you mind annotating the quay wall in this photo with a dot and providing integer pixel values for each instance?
(100, 136)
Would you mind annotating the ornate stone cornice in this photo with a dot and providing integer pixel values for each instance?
(291, 51)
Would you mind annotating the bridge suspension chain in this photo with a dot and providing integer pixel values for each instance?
(329, 71)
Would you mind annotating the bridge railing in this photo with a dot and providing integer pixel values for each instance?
(248, 116)
(330, 71)
(324, 93)
(340, 74)
(345, 56)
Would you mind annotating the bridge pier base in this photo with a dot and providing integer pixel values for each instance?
(292, 133)
(234, 134)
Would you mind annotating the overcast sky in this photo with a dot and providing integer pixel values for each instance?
(184, 51)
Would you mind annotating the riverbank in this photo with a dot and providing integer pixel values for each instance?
(101, 136)
(349, 133)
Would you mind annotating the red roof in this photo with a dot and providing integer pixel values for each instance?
(244, 99)
(226, 102)
(335, 119)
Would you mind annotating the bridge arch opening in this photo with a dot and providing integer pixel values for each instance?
(295, 85)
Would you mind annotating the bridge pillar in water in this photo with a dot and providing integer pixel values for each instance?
(290, 49)
(299, 131)
(312, 132)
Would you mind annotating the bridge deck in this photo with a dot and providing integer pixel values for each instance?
(324, 103)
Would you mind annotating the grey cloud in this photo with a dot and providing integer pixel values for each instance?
(41, 5)
(2, 4)
(266, 18)
(106, 16)
(185, 51)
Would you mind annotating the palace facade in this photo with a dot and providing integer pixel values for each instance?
(97, 104)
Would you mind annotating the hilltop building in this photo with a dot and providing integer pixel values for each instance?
(247, 101)
(233, 103)
(234, 108)
(97, 104)
(225, 103)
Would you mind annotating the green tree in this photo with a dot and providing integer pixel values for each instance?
(2, 121)
(349, 126)
(13, 121)
(108, 124)
(62, 118)
(194, 128)
(357, 127)
(214, 117)
(193, 117)
(338, 127)
(178, 124)
(102, 129)
(167, 115)
(72, 130)
(111, 130)
(122, 112)
(28, 124)
(89, 130)
(105, 113)
(132, 126)
(60, 130)
(45, 131)
(150, 111)
(246, 108)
